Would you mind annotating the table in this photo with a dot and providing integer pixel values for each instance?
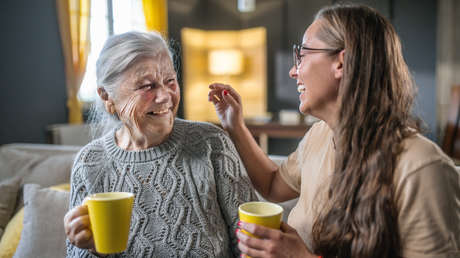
(264, 131)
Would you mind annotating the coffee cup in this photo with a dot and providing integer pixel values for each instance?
(261, 213)
(110, 218)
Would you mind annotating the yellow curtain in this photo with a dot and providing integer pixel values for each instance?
(156, 15)
(73, 17)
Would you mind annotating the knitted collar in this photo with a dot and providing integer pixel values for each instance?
(149, 154)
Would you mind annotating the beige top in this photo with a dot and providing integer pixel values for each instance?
(427, 192)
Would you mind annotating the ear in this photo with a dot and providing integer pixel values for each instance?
(338, 65)
(108, 102)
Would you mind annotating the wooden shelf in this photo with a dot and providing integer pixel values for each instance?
(276, 130)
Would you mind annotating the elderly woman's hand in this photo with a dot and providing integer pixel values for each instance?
(271, 243)
(228, 105)
(77, 228)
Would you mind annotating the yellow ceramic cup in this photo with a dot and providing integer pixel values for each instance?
(261, 213)
(110, 218)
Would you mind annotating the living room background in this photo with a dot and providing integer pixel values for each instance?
(33, 77)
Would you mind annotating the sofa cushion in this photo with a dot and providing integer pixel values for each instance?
(46, 171)
(9, 190)
(15, 163)
(43, 228)
(10, 239)
(51, 170)
(24, 160)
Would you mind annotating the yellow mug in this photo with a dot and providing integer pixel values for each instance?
(110, 218)
(261, 213)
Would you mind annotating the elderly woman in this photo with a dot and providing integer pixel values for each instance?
(369, 184)
(187, 177)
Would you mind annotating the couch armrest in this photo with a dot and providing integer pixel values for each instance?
(42, 149)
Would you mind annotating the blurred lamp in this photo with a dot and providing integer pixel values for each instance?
(225, 62)
(246, 5)
(234, 57)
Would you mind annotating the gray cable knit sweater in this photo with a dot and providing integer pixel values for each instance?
(187, 191)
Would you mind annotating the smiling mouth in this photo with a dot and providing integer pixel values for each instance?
(159, 112)
(300, 88)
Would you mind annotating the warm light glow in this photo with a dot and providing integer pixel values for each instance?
(236, 57)
(225, 62)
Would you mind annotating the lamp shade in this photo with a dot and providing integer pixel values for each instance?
(225, 62)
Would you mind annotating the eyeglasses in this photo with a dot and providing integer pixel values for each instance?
(298, 58)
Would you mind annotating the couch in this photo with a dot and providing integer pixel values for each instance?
(34, 184)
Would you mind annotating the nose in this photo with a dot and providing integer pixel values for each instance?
(162, 95)
(293, 72)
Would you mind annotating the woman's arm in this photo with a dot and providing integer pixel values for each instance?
(262, 171)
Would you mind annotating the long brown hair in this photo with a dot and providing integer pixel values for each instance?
(359, 218)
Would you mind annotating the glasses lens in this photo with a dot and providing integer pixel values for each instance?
(295, 54)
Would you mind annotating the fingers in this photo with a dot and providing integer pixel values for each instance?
(220, 89)
(252, 242)
(231, 100)
(261, 231)
(270, 242)
(79, 224)
(250, 251)
(76, 212)
(77, 227)
(264, 246)
(84, 239)
(214, 96)
(286, 228)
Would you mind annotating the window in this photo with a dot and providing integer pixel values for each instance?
(107, 18)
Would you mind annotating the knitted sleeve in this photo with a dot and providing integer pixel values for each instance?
(233, 185)
(78, 191)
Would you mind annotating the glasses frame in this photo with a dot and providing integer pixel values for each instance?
(298, 58)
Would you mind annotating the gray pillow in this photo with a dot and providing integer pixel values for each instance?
(47, 171)
(8, 193)
(43, 231)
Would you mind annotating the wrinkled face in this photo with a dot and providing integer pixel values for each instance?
(316, 75)
(148, 97)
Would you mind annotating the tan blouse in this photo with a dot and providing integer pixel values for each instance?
(427, 192)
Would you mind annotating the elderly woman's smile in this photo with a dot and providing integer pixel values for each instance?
(161, 112)
(147, 102)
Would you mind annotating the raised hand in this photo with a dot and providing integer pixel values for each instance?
(227, 103)
(271, 243)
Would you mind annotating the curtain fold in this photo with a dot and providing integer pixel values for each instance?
(156, 15)
(73, 18)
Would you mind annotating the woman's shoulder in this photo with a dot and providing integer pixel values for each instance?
(426, 193)
(419, 152)
(319, 129)
(195, 131)
(317, 137)
(200, 128)
(199, 134)
(91, 153)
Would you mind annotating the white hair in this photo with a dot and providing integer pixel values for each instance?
(119, 53)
